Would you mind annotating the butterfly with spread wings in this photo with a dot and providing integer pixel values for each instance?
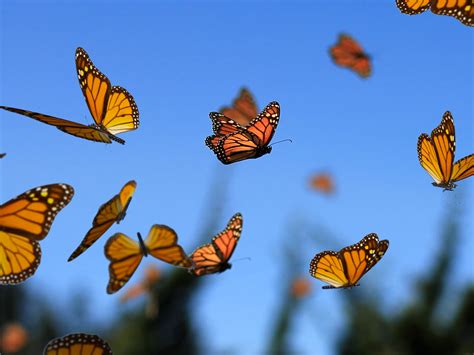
(125, 254)
(243, 109)
(113, 211)
(24, 221)
(343, 269)
(436, 155)
(462, 10)
(112, 107)
(214, 257)
(78, 344)
(233, 142)
(348, 53)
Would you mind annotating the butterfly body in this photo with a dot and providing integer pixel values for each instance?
(143, 247)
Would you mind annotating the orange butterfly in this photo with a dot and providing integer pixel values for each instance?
(243, 110)
(322, 182)
(78, 344)
(113, 211)
(24, 221)
(125, 254)
(436, 155)
(151, 277)
(345, 268)
(112, 107)
(348, 53)
(244, 142)
(214, 257)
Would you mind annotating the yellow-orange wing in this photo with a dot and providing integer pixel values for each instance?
(463, 168)
(348, 53)
(214, 257)
(125, 255)
(243, 109)
(162, 243)
(413, 7)
(345, 268)
(78, 344)
(112, 108)
(463, 10)
(113, 211)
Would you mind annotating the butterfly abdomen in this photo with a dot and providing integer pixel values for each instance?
(143, 247)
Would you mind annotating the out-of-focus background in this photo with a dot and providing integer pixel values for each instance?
(181, 61)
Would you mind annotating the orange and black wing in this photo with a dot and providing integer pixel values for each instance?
(113, 211)
(463, 10)
(328, 267)
(463, 168)
(78, 344)
(122, 112)
(223, 125)
(413, 7)
(76, 129)
(348, 53)
(243, 109)
(162, 243)
(125, 255)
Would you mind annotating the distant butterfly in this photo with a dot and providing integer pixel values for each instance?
(348, 53)
(24, 221)
(243, 142)
(112, 107)
(322, 182)
(125, 254)
(113, 211)
(436, 155)
(462, 10)
(78, 344)
(214, 257)
(151, 277)
(2, 155)
(243, 110)
(345, 268)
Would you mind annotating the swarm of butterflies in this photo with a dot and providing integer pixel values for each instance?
(240, 132)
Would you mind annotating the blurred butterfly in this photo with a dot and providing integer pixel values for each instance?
(462, 10)
(24, 221)
(243, 109)
(436, 155)
(113, 211)
(78, 344)
(214, 257)
(345, 268)
(348, 53)
(2, 155)
(244, 142)
(151, 277)
(125, 254)
(322, 182)
(112, 107)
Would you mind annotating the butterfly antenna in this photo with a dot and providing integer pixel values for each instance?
(284, 140)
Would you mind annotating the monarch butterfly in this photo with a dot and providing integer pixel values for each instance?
(78, 344)
(243, 109)
(112, 107)
(24, 221)
(348, 53)
(246, 143)
(113, 211)
(125, 254)
(436, 155)
(462, 10)
(345, 268)
(151, 277)
(214, 257)
(322, 182)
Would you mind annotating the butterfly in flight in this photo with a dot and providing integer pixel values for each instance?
(78, 344)
(125, 254)
(348, 53)
(214, 257)
(2, 155)
(24, 221)
(436, 155)
(113, 211)
(243, 109)
(322, 182)
(233, 142)
(462, 10)
(112, 107)
(343, 269)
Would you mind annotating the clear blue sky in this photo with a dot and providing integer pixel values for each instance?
(182, 61)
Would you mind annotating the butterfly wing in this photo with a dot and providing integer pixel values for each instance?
(125, 255)
(322, 182)
(243, 110)
(19, 258)
(113, 211)
(463, 10)
(463, 168)
(78, 344)
(328, 267)
(70, 127)
(122, 112)
(348, 53)
(223, 125)
(413, 7)
(32, 213)
(162, 243)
